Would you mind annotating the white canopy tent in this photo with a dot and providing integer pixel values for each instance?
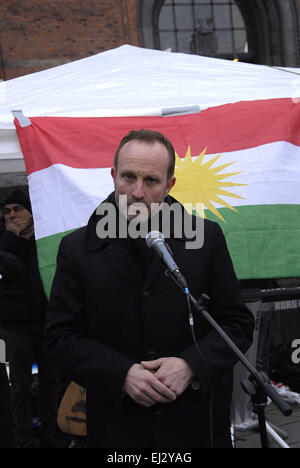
(131, 81)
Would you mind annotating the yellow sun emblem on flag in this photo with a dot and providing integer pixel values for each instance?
(201, 185)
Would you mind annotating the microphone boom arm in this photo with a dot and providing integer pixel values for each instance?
(258, 386)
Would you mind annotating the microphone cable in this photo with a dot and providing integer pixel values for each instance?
(209, 384)
(192, 328)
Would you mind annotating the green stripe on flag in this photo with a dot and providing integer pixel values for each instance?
(47, 249)
(263, 240)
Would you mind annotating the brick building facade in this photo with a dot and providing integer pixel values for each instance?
(39, 34)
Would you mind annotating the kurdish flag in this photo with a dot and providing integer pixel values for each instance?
(241, 161)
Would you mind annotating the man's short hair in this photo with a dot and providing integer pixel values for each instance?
(149, 136)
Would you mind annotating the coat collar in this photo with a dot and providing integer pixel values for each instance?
(93, 242)
(116, 254)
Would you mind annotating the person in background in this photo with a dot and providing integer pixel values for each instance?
(22, 320)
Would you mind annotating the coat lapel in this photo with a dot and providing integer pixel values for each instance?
(117, 258)
(116, 255)
(157, 267)
(112, 251)
(154, 272)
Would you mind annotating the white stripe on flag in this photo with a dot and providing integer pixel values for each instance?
(270, 173)
(63, 198)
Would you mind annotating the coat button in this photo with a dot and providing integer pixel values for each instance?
(195, 384)
(152, 355)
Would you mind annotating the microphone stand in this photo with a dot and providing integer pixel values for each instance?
(258, 386)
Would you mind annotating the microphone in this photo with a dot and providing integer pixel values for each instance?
(155, 240)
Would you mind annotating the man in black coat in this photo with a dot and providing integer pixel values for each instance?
(23, 305)
(118, 326)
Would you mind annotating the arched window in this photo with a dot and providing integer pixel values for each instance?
(257, 31)
(214, 28)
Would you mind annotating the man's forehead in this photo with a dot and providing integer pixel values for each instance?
(151, 152)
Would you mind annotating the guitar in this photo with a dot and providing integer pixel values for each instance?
(71, 415)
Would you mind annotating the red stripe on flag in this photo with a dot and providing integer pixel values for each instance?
(91, 142)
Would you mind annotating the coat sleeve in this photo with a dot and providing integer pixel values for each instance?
(11, 267)
(81, 358)
(227, 307)
(9, 242)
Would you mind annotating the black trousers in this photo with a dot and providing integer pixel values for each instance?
(23, 348)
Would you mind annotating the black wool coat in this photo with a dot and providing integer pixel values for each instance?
(106, 313)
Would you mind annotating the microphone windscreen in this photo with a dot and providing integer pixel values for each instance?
(152, 236)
